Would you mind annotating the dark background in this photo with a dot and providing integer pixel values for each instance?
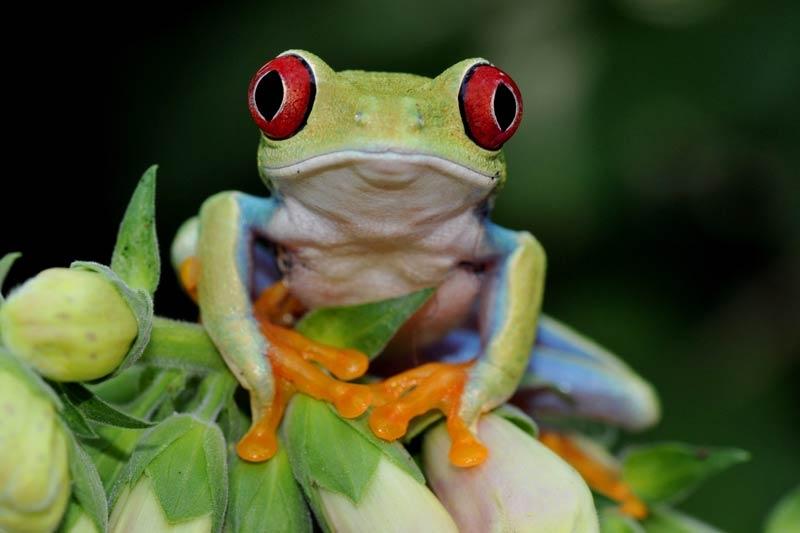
(658, 162)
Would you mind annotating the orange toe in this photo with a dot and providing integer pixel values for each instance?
(298, 365)
(417, 391)
(601, 477)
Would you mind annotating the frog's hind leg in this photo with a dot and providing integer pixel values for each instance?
(571, 377)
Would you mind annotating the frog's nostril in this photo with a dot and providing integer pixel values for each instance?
(359, 117)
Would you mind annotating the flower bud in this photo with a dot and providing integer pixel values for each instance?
(175, 480)
(138, 510)
(69, 324)
(522, 486)
(34, 476)
(394, 501)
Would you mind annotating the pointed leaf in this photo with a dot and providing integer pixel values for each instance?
(612, 521)
(392, 450)
(670, 471)
(367, 327)
(76, 421)
(136, 258)
(5, 266)
(665, 520)
(785, 517)
(325, 451)
(87, 489)
(93, 408)
(265, 497)
(190, 476)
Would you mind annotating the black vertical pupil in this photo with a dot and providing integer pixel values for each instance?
(269, 94)
(505, 106)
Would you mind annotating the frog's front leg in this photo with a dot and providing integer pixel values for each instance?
(269, 360)
(511, 299)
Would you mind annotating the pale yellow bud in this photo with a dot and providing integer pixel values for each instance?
(34, 476)
(69, 324)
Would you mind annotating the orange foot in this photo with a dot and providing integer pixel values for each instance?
(601, 477)
(417, 391)
(292, 357)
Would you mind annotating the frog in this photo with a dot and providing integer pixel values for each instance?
(382, 184)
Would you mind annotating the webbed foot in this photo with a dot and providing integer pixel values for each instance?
(417, 391)
(293, 357)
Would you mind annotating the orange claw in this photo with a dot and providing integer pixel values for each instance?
(291, 355)
(601, 477)
(417, 391)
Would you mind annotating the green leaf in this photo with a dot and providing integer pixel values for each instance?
(135, 257)
(190, 477)
(785, 517)
(151, 443)
(76, 422)
(668, 472)
(612, 521)
(265, 497)
(665, 520)
(140, 303)
(112, 451)
(87, 489)
(367, 327)
(185, 459)
(5, 265)
(325, 451)
(393, 451)
(93, 408)
(519, 418)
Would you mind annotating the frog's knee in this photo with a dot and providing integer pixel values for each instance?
(184, 245)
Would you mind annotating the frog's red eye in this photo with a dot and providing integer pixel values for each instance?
(491, 106)
(281, 95)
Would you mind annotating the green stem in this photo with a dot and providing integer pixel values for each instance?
(111, 452)
(153, 394)
(214, 392)
(176, 344)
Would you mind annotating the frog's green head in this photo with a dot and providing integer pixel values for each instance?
(387, 128)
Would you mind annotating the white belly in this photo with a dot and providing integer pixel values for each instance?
(373, 228)
(325, 266)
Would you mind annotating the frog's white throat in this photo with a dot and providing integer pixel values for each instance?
(382, 187)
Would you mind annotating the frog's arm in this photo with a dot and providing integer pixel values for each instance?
(228, 223)
(512, 298)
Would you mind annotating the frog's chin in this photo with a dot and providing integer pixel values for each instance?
(383, 169)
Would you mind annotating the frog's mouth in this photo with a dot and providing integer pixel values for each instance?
(382, 169)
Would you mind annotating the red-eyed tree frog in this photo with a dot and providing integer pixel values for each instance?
(381, 185)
